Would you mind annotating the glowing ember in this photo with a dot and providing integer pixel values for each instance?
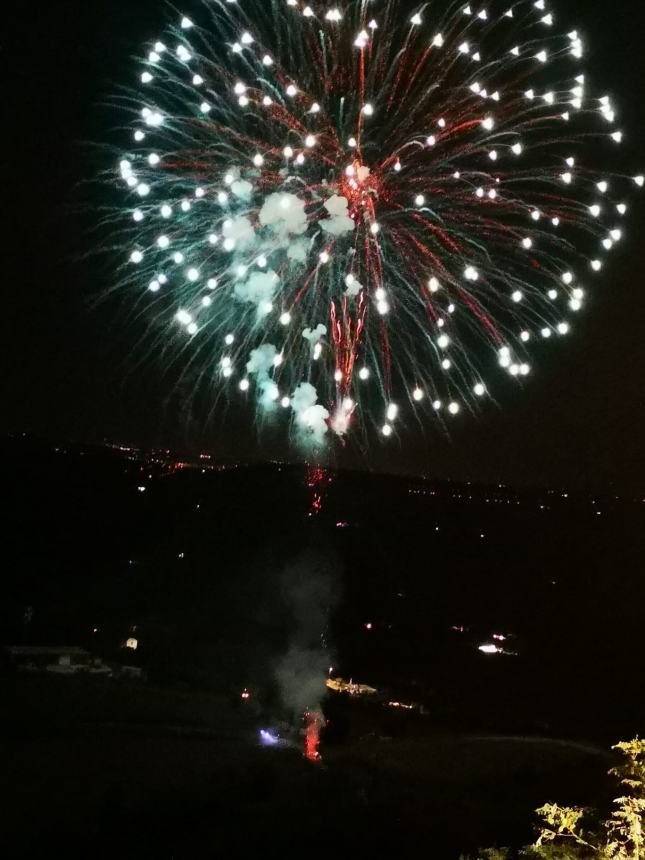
(316, 479)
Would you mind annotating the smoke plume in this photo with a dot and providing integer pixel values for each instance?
(310, 590)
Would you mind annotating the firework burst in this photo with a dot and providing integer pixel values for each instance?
(345, 211)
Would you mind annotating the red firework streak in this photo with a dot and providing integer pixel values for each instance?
(315, 479)
(362, 189)
(314, 722)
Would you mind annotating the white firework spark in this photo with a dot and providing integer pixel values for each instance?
(347, 210)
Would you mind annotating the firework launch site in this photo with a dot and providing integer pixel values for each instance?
(301, 657)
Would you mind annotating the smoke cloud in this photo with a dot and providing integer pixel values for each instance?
(297, 251)
(354, 287)
(239, 230)
(310, 590)
(314, 335)
(284, 214)
(339, 221)
(259, 289)
(260, 365)
(242, 189)
(311, 416)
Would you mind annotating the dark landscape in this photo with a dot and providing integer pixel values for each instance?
(199, 561)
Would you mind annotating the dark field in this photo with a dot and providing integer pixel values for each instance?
(85, 772)
(194, 566)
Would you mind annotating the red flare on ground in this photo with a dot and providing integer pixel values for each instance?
(314, 722)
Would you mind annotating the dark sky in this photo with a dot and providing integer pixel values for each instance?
(70, 370)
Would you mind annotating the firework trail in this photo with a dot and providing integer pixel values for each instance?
(346, 210)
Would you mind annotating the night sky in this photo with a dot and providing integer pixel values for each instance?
(72, 369)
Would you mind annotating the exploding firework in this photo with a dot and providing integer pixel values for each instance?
(342, 211)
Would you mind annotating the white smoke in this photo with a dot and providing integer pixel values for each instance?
(339, 221)
(260, 364)
(240, 230)
(341, 419)
(311, 416)
(314, 335)
(353, 287)
(301, 675)
(242, 189)
(259, 289)
(284, 215)
(309, 588)
(297, 251)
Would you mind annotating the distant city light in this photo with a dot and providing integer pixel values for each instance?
(489, 648)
